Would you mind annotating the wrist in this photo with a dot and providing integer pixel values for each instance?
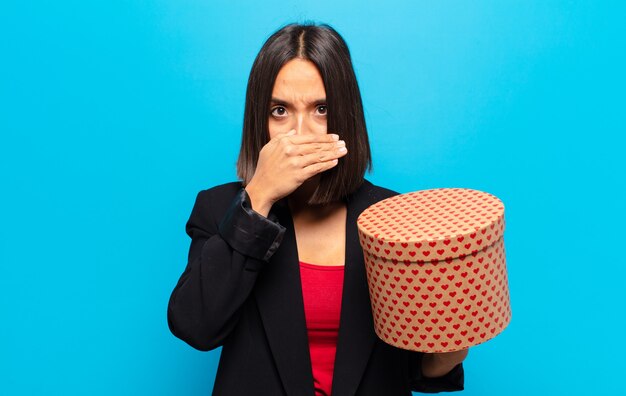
(440, 364)
(258, 201)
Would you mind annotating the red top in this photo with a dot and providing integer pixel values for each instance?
(321, 290)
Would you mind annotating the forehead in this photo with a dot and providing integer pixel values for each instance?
(298, 79)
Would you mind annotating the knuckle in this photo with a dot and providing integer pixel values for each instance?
(293, 162)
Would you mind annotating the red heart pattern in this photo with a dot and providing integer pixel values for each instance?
(436, 268)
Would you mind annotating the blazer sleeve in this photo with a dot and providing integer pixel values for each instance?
(228, 249)
(453, 381)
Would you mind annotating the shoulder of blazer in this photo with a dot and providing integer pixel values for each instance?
(209, 203)
(217, 199)
(368, 194)
(221, 193)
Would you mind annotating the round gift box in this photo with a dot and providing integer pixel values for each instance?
(436, 268)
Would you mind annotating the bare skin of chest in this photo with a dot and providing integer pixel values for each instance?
(321, 235)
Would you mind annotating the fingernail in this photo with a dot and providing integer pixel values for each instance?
(342, 149)
(341, 143)
(335, 137)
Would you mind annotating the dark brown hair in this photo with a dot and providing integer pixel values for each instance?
(326, 49)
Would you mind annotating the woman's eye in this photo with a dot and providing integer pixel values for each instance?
(279, 111)
(322, 109)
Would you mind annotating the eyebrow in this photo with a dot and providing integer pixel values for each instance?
(285, 103)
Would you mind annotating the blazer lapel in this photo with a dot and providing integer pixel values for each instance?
(279, 297)
(356, 325)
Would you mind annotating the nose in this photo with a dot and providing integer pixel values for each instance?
(301, 125)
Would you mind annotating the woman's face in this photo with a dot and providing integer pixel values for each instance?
(298, 100)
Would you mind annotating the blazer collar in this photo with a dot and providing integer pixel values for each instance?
(279, 297)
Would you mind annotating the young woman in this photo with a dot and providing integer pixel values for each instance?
(275, 273)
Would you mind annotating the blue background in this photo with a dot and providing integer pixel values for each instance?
(114, 114)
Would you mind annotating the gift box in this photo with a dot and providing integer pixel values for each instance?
(436, 268)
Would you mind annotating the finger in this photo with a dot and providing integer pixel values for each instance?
(312, 138)
(319, 167)
(291, 132)
(310, 148)
(322, 156)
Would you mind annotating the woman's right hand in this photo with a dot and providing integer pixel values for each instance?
(287, 161)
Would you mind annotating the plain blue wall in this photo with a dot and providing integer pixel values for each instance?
(114, 114)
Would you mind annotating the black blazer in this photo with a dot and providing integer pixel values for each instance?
(241, 290)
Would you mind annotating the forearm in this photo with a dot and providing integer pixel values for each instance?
(439, 364)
